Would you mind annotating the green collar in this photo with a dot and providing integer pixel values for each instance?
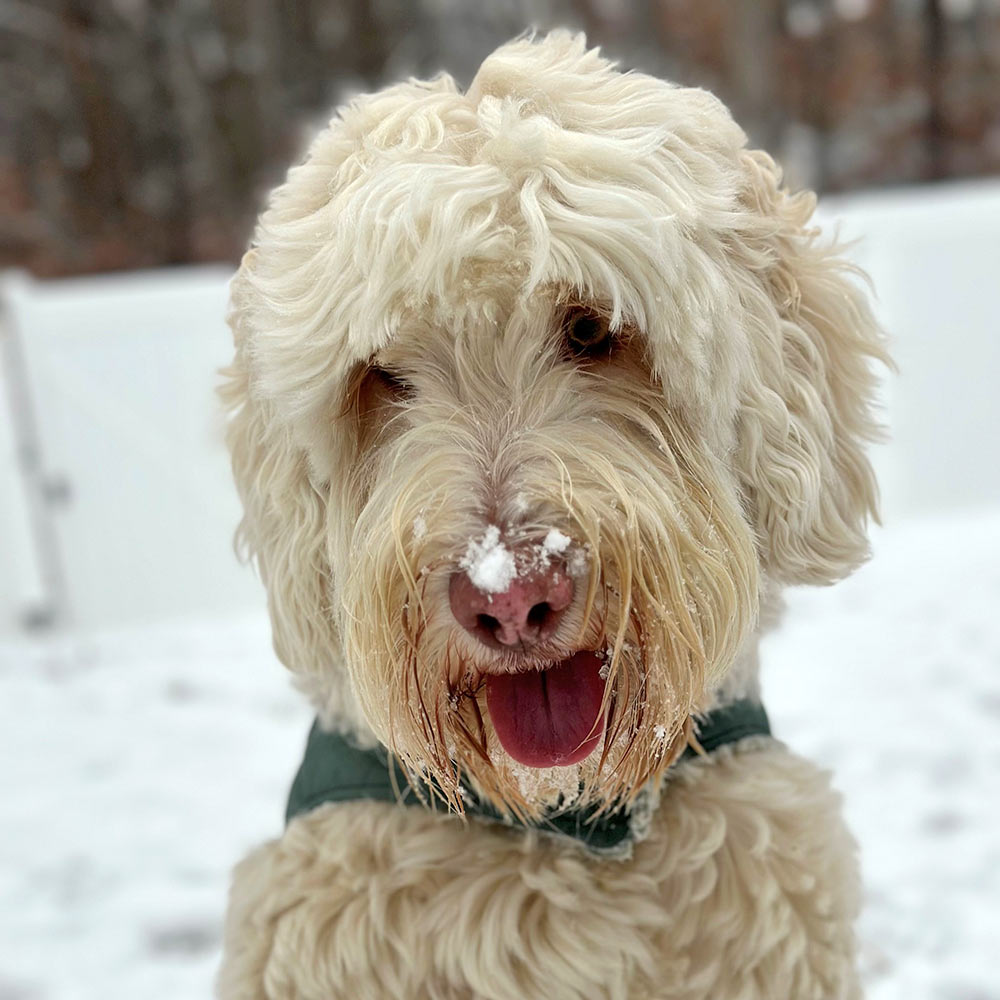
(335, 770)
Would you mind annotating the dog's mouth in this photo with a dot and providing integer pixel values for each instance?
(550, 717)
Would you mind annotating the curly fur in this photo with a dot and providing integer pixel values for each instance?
(717, 456)
(745, 888)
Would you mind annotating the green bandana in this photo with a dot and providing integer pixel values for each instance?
(335, 770)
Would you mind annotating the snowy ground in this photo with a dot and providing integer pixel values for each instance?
(140, 765)
(892, 680)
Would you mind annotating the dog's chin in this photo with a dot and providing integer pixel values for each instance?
(550, 716)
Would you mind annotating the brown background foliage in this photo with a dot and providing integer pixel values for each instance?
(139, 133)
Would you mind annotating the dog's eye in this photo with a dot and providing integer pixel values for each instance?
(586, 333)
(392, 382)
(381, 385)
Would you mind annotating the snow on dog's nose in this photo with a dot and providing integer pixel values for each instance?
(511, 597)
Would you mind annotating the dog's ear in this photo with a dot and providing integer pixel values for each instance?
(284, 512)
(805, 415)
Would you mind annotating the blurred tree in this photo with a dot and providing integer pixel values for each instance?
(135, 133)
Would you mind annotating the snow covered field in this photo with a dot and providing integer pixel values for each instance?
(139, 765)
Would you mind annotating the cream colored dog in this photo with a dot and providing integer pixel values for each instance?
(541, 393)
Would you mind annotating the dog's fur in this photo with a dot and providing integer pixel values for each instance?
(400, 384)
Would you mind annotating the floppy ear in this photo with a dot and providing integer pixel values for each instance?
(805, 414)
(284, 512)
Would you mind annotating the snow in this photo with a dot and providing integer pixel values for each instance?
(555, 542)
(141, 764)
(488, 563)
(891, 680)
(578, 563)
(138, 766)
(492, 567)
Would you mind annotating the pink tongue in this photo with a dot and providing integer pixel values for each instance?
(549, 718)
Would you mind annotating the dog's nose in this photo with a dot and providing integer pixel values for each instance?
(527, 611)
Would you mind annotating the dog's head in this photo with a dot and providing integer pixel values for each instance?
(536, 388)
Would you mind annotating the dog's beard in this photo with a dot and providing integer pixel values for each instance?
(667, 589)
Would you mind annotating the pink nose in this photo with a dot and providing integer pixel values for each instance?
(526, 612)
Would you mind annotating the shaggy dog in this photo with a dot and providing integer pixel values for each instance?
(542, 391)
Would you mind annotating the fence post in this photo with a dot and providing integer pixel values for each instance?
(53, 609)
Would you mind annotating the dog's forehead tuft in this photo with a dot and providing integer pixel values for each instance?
(513, 140)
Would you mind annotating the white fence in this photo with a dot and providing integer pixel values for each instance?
(933, 254)
(130, 511)
(134, 484)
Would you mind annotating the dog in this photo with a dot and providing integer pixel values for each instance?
(542, 392)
